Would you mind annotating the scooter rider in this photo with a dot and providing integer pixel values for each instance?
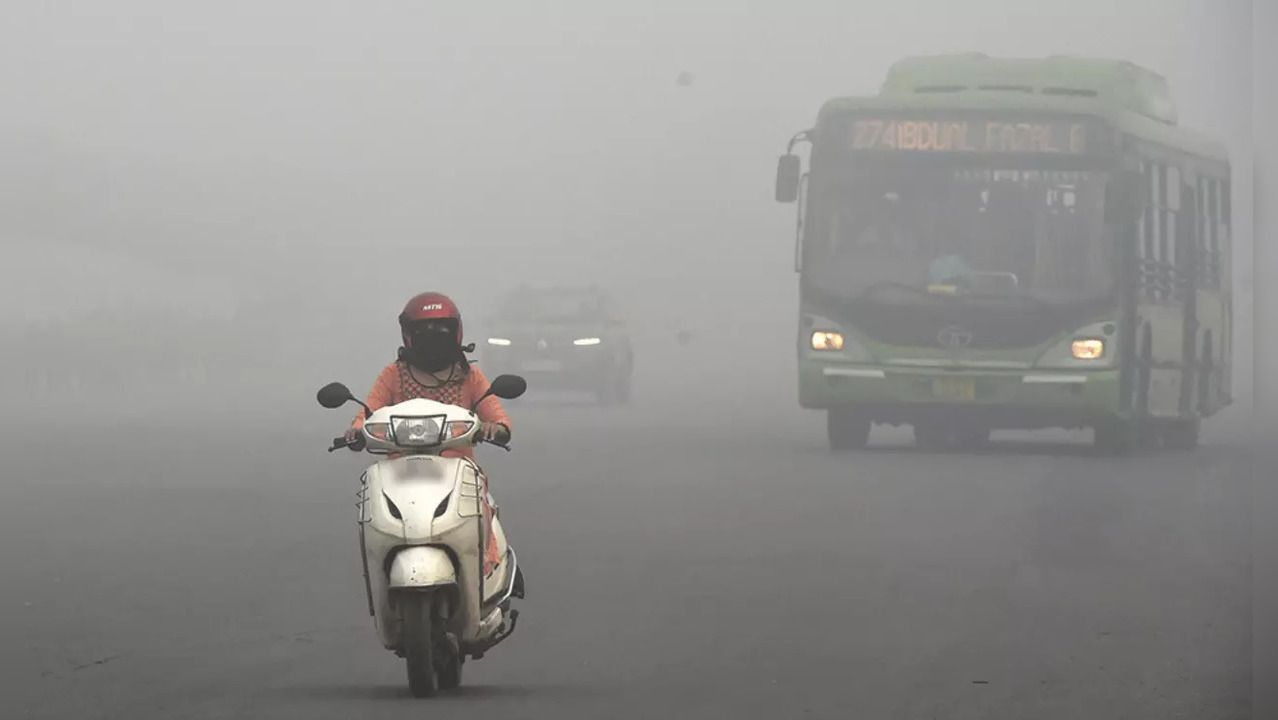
(432, 365)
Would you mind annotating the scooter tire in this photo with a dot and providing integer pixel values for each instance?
(419, 644)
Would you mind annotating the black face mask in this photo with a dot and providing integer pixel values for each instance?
(434, 351)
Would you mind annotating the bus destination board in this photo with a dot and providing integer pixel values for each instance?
(981, 136)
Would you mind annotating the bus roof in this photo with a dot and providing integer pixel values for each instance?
(1128, 97)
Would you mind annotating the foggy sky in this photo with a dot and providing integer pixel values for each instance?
(266, 146)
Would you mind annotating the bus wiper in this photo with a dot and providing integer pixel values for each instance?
(885, 284)
(1044, 304)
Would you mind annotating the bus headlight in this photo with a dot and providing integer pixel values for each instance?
(1083, 347)
(827, 340)
(1087, 349)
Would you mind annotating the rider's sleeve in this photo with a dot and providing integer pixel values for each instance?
(381, 395)
(490, 410)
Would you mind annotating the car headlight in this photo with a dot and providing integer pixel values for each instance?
(827, 340)
(1087, 349)
(418, 431)
(587, 341)
(503, 342)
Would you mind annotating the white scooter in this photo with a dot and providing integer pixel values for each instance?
(422, 537)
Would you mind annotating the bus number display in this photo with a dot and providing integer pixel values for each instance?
(992, 136)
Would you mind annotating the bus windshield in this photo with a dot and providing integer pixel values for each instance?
(960, 228)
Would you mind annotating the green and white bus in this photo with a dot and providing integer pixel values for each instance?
(1012, 243)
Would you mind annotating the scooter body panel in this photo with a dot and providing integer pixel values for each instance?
(422, 526)
(421, 566)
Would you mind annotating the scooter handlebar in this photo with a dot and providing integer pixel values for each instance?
(502, 441)
(353, 445)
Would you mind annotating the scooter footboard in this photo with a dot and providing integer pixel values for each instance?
(421, 567)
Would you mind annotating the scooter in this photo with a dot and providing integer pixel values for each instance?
(422, 536)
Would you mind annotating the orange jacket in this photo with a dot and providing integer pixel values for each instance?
(396, 383)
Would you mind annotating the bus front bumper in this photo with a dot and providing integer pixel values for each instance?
(1028, 398)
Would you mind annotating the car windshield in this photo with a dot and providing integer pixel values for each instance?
(944, 227)
(551, 306)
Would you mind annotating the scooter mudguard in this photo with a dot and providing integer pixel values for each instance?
(421, 567)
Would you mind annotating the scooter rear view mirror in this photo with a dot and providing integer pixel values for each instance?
(334, 395)
(506, 387)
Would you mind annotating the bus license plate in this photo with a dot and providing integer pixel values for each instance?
(954, 388)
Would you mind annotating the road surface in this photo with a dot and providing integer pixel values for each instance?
(675, 570)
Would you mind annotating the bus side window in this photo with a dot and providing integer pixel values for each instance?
(1224, 230)
(1226, 208)
(1154, 268)
(1171, 233)
(1211, 258)
(1145, 239)
(1201, 231)
(1188, 240)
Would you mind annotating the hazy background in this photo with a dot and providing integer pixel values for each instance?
(249, 190)
(227, 203)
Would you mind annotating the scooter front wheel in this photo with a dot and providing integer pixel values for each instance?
(419, 643)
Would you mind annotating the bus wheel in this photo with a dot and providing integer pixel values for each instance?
(1182, 434)
(931, 435)
(971, 436)
(847, 429)
(1115, 437)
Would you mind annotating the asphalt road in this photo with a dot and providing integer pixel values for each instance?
(676, 569)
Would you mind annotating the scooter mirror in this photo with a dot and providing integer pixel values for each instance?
(508, 387)
(334, 395)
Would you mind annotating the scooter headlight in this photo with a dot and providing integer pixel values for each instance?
(418, 431)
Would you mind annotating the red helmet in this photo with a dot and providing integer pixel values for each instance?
(429, 306)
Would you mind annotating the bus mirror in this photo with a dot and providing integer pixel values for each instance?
(1122, 197)
(789, 168)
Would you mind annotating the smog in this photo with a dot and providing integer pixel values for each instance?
(210, 212)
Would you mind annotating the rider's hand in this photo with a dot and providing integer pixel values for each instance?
(489, 431)
(353, 434)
